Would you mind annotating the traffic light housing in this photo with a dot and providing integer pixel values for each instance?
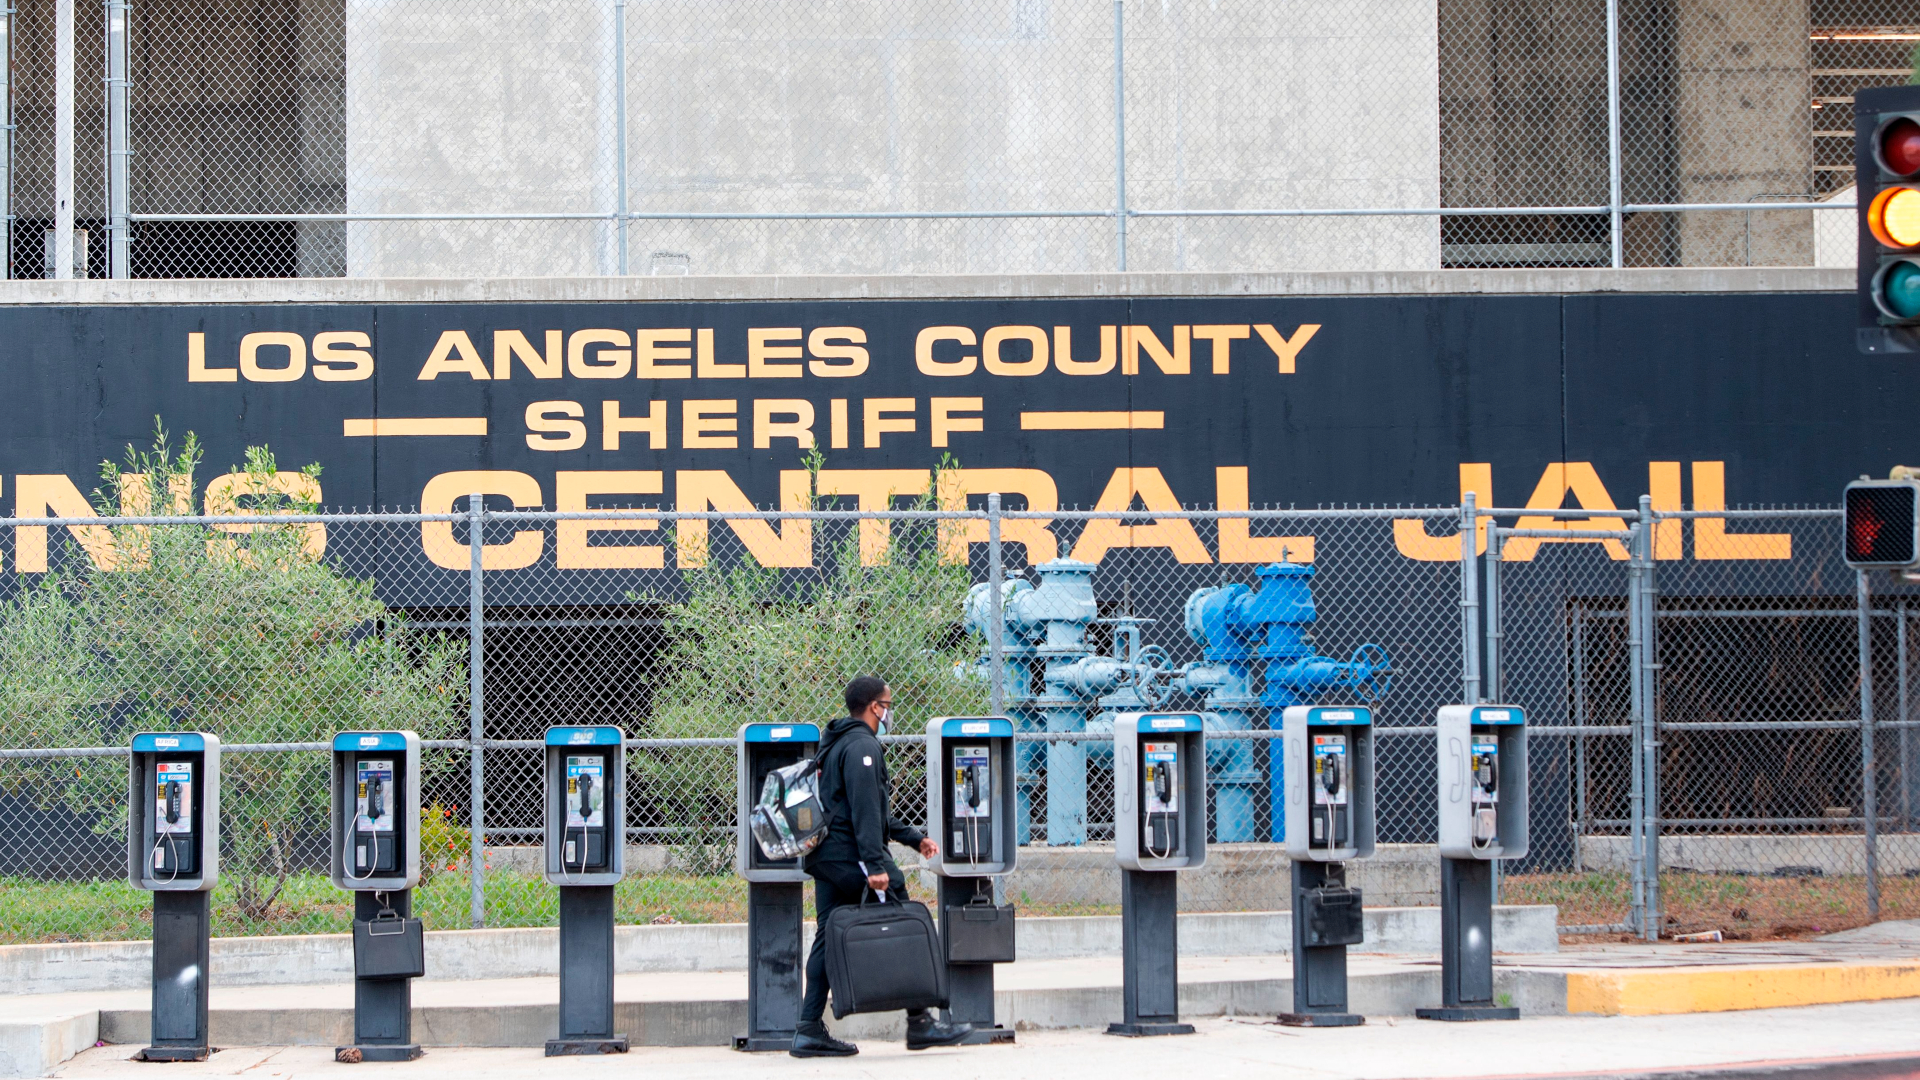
(1881, 524)
(1886, 169)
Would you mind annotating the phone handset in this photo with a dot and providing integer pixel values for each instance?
(367, 805)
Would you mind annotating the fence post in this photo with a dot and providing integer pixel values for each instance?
(476, 716)
(1649, 709)
(1615, 196)
(1120, 129)
(996, 630)
(1469, 602)
(63, 139)
(1493, 676)
(1869, 808)
(620, 127)
(1637, 645)
(119, 145)
(1905, 767)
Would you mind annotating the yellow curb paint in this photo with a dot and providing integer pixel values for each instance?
(1663, 991)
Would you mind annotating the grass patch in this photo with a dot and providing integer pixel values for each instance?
(34, 911)
(1744, 906)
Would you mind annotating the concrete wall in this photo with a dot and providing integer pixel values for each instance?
(859, 105)
(308, 959)
(1741, 131)
(1899, 853)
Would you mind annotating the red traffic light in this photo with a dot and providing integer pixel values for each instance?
(1897, 147)
(1882, 524)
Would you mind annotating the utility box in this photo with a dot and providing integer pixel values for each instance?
(1482, 781)
(376, 811)
(173, 796)
(586, 816)
(760, 749)
(971, 802)
(1329, 782)
(1160, 790)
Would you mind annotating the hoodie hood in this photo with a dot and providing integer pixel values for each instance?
(840, 729)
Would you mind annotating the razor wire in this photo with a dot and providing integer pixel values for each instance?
(679, 626)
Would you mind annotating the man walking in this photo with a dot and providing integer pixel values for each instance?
(853, 858)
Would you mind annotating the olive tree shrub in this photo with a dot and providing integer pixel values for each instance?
(247, 632)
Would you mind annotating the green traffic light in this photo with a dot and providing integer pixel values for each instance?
(1901, 290)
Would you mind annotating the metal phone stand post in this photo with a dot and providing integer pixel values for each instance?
(382, 1006)
(1467, 857)
(1149, 875)
(776, 903)
(586, 1023)
(182, 900)
(966, 878)
(1323, 750)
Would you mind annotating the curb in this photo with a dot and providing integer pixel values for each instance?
(1666, 991)
(1873, 1067)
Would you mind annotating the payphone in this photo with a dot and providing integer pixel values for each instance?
(1482, 790)
(376, 810)
(375, 842)
(173, 851)
(1326, 752)
(586, 806)
(972, 806)
(586, 855)
(775, 896)
(1159, 829)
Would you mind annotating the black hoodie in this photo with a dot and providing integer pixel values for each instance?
(854, 791)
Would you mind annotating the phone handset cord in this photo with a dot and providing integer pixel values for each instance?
(1493, 788)
(373, 856)
(154, 857)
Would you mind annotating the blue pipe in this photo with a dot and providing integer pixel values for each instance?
(1237, 626)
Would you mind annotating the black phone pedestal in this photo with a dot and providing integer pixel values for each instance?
(1466, 944)
(969, 986)
(586, 973)
(382, 1008)
(1150, 982)
(182, 927)
(775, 921)
(1319, 969)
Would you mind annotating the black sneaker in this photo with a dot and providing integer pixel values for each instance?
(813, 1040)
(924, 1032)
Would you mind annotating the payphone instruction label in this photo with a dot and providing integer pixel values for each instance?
(1330, 761)
(173, 797)
(972, 783)
(586, 791)
(374, 795)
(1162, 794)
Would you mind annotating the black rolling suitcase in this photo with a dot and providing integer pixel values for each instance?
(884, 956)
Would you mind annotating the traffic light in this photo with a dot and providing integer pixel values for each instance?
(1882, 524)
(1886, 170)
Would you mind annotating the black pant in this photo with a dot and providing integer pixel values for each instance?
(833, 887)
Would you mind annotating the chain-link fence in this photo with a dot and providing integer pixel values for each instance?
(420, 138)
(481, 628)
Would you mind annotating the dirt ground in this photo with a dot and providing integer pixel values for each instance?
(1745, 907)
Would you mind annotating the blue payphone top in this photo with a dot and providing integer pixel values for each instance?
(780, 733)
(347, 741)
(584, 736)
(154, 742)
(990, 726)
(1174, 722)
(1498, 714)
(1344, 714)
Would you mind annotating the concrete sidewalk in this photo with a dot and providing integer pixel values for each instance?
(1768, 1041)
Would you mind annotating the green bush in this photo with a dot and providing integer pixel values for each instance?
(243, 631)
